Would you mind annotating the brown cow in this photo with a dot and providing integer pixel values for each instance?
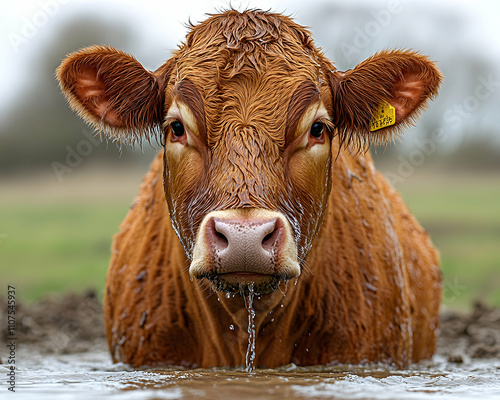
(266, 180)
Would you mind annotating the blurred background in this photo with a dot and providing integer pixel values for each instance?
(63, 193)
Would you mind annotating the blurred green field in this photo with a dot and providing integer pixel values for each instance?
(56, 237)
(462, 215)
(57, 247)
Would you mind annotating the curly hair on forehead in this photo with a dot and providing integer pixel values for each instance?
(247, 38)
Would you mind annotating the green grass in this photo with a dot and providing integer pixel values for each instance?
(57, 248)
(53, 244)
(462, 215)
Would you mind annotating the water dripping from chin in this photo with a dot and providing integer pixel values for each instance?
(248, 296)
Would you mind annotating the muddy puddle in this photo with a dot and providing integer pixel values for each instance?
(62, 355)
(91, 375)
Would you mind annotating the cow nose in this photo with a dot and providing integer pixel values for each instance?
(236, 247)
(244, 242)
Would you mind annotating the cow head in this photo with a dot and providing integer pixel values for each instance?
(247, 110)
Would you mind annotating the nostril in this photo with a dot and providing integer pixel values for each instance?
(269, 241)
(221, 240)
(216, 237)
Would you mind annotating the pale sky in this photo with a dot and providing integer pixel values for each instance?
(28, 25)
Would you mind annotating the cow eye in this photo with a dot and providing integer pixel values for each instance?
(177, 128)
(317, 129)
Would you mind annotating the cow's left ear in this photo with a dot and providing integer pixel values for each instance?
(114, 93)
(382, 95)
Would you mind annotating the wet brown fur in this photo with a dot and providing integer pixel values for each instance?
(370, 285)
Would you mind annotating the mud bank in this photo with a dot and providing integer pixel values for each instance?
(74, 324)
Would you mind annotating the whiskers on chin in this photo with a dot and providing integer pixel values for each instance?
(244, 288)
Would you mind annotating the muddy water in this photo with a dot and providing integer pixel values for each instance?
(91, 375)
(62, 354)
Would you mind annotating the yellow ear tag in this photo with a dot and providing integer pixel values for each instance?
(384, 116)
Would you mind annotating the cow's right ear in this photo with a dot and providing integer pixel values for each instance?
(375, 101)
(114, 93)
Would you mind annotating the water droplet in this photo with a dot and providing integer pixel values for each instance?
(231, 327)
(228, 295)
(281, 290)
(250, 356)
